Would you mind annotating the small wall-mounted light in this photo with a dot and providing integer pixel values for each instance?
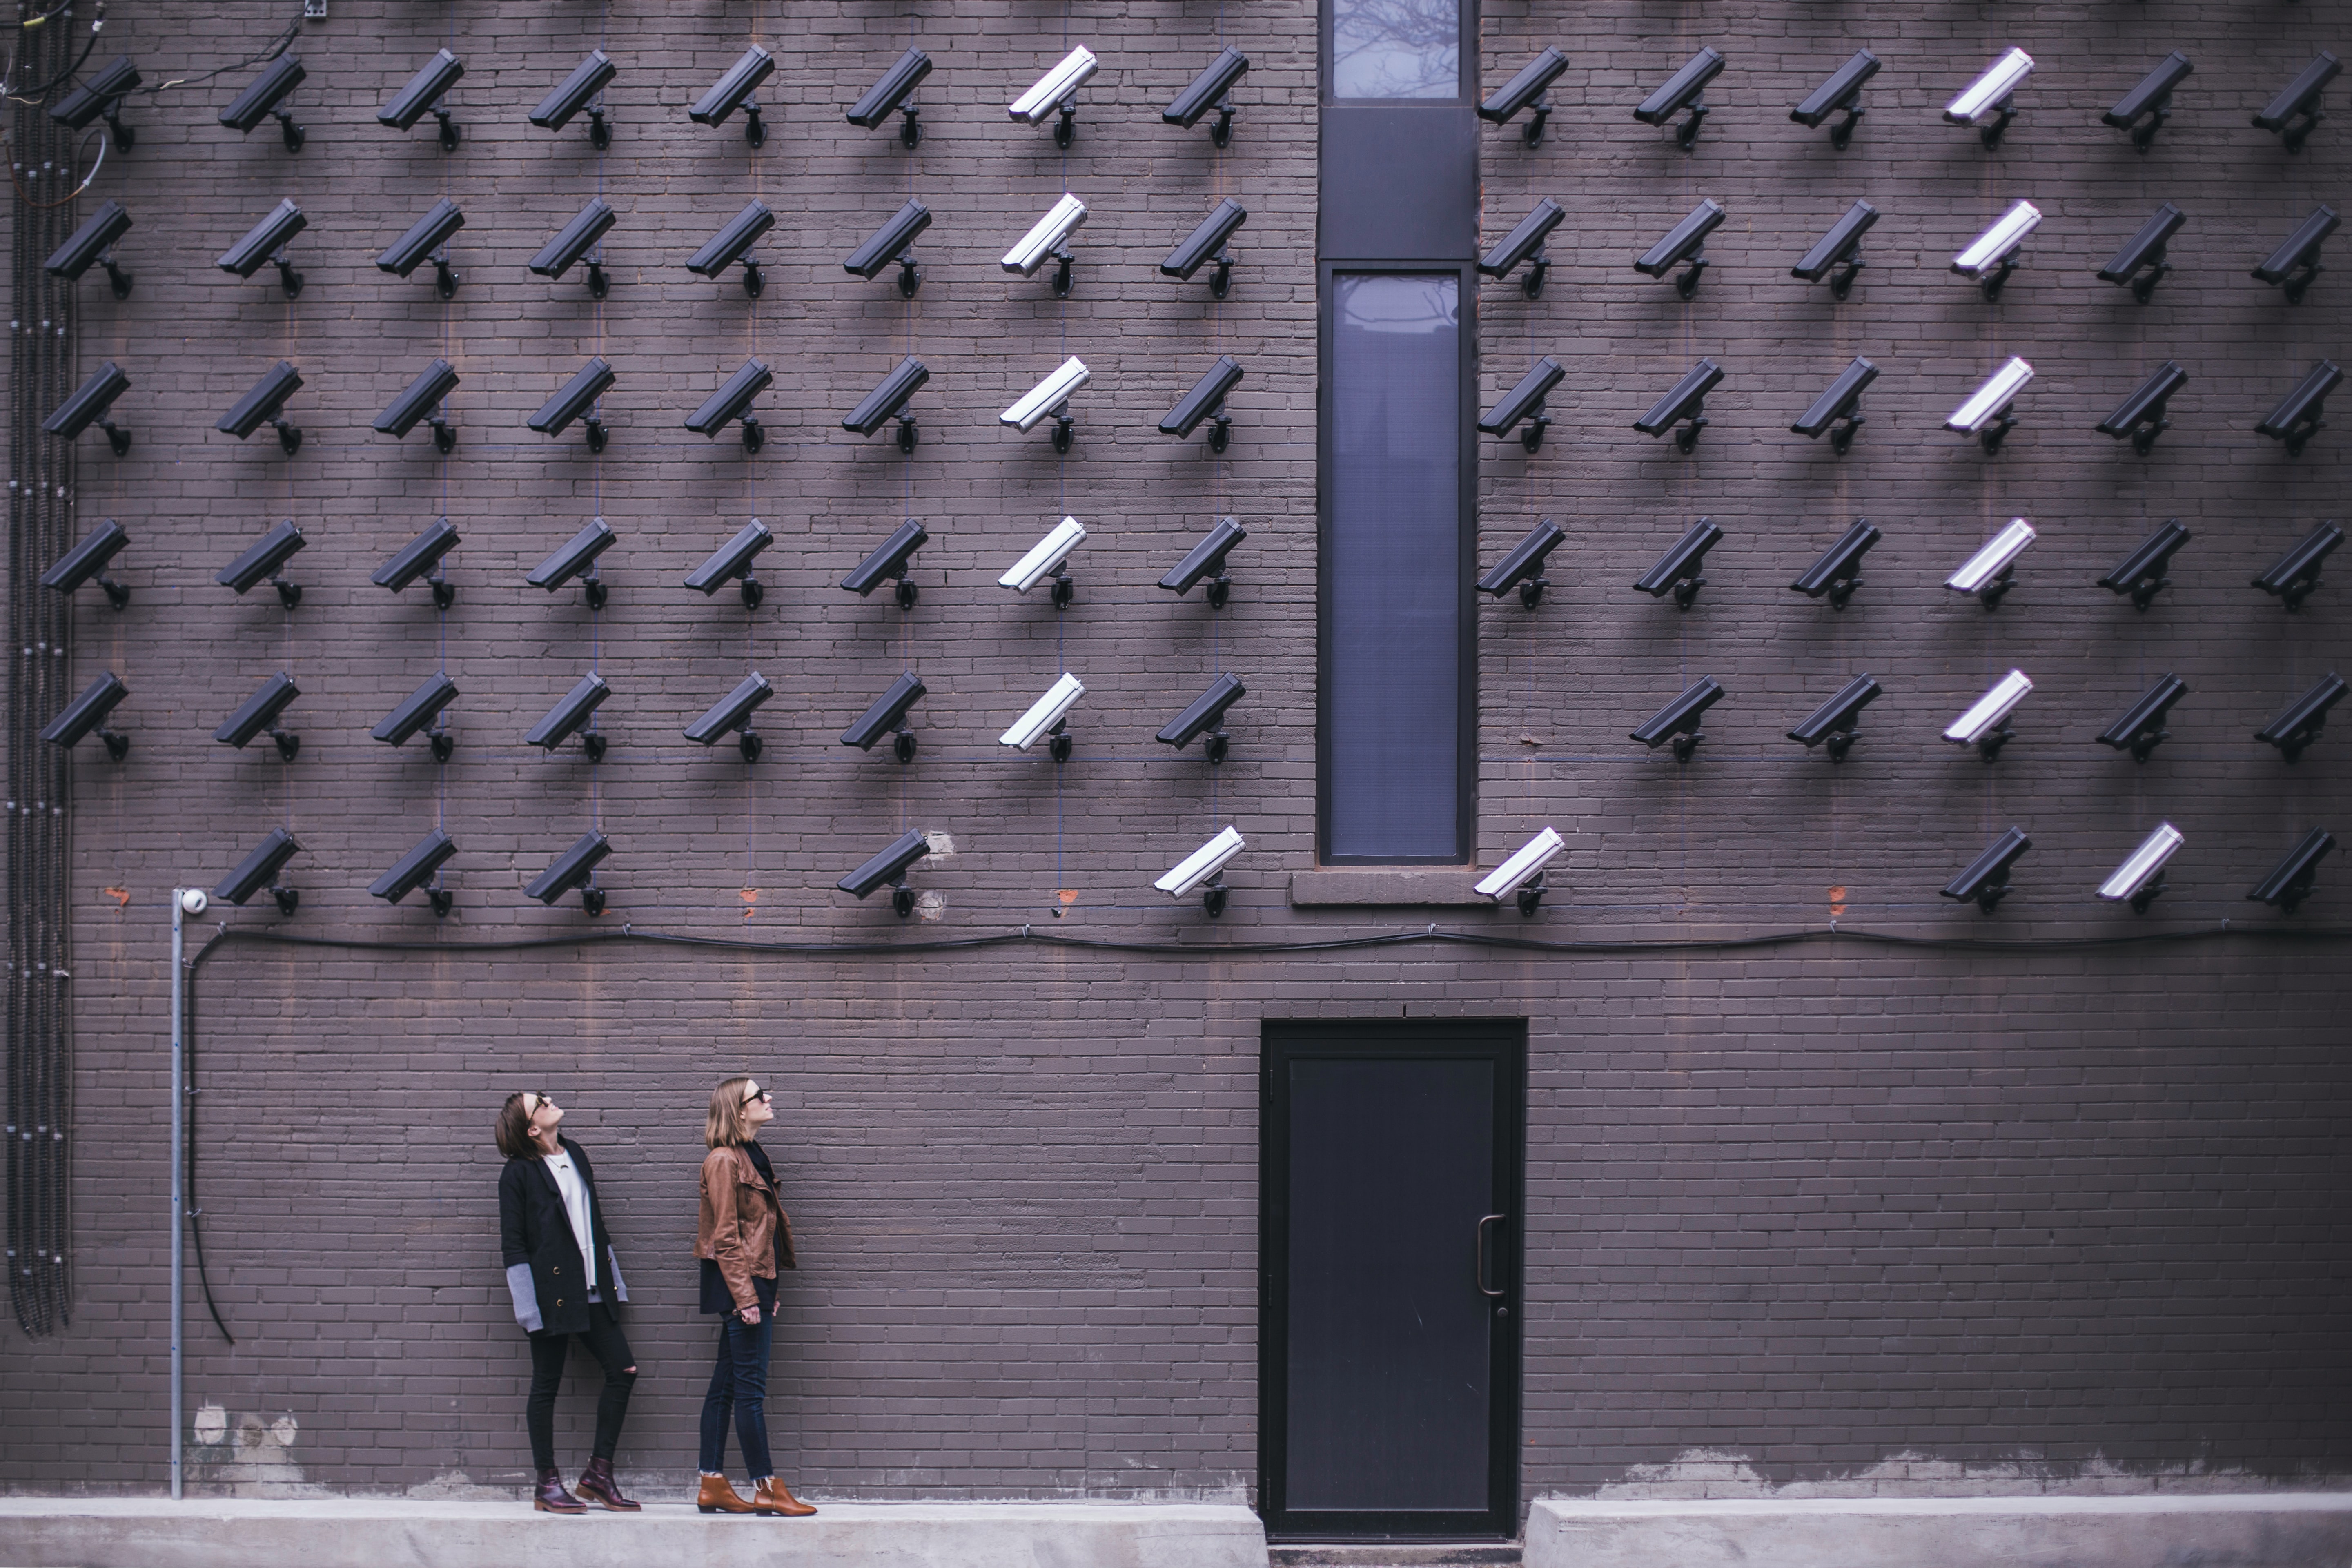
(89, 405)
(1838, 573)
(258, 714)
(1682, 91)
(1520, 877)
(2141, 416)
(892, 245)
(887, 716)
(86, 563)
(418, 556)
(100, 98)
(1841, 93)
(1986, 411)
(2299, 723)
(413, 869)
(1523, 567)
(1205, 557)
(1528, 89)
(733, 562)
(259, 871)
(1213, 86)
(2141, 263)
(1049, 715)
(2140, 878)
(2144, 110)
(425, 91)
(422, 402)
(573, 93)
(1677, 570)
(889, 400)
(2142, 572)
(92, 243)
(1841, 247)
(1678, 720)
(1524, 404)
(733, 91)
(1048, 240)
(569, 714)
(1050, 396)
(2294, 575)
(732, 243)
(575, 868)
(731, 714)
(888, 97)
(1986, 881)
(2294, 111)
(428, 238)
(1990, 572)
(1210, 240)
(577, 557)
(261, 100)
(888, 868)
(1055, 92)
(2296, 262)
(1681, 245)
(1835, 723)
(732, 402)
(1524, 243)
(1984, 724)
(265, 245)
(1989, 102)
(1685, 406)
(890, 562)
(265, 404)
(1205, 715)
(1206, 401)
(577, 397)
(86, 715)
(574, 241)
(1838, 405)
(2297, 418)
(2291, 880)
(265, 560)
(1204, 869)
(420, 708)
(2141, 729)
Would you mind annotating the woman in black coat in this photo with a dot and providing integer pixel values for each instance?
(564, 1279)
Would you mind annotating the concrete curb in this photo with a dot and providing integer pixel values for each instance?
(105, 1532)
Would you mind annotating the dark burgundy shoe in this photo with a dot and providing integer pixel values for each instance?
(551, 1496)
(597, 1485)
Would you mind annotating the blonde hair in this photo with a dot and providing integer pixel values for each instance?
(726, 1126)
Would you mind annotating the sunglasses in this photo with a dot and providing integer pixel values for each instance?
(531, 1103)
(757, 1094)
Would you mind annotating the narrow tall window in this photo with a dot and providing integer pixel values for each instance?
(1396, 49)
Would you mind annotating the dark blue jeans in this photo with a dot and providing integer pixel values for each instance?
(740, 1382)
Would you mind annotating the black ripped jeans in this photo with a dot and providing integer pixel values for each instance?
(549, 1352)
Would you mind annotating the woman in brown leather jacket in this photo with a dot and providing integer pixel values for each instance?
(743, 1240)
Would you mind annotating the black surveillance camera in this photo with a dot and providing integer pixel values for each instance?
(1524, 404)
(732, 243)
(1841, 249)
(732, 91)
(1841, 94)
(413, 869)
(2296, 262)
(887, 401)
(588, 78)
(1682, 91)
(888, 868)
(731, 714)
(1985, 882)
(418, 556)
(1523, 567)
(261, 100)
(2142, 573)
(101, 98)
(892, 244)
(426, 237)
(86, 563)
(2294, 111)
(1207, 559)
(259, 713)
(734, 402)
(422, 401)
(1206, 401)
(420, 708)
(574, 241)
(1836, 405)
(1684, 405)
(2141, 263)
(2297, 418)
(1211, 240)
(1681, 245)
(732, 561)
(425, 91)
(2298, 725)
(1836, 722)
(1678, 720)
(577, 397)
(265, 561)
(571, 712)
(1524, 243)
(1838, 573)
(577, 557)
(888, 97)
(1212, 89)
(2291, 880)
(1677, 570)
(259, 871)
(1526, 90)
(265, 245)
(86, 714)
(93, 243)
(575, 868)
(89, 407)
(2144, 110)
(2141, 729)
(1205, 714)
(2141, 416)
(265, 404)
(887, 716)
(889, 562)
(2294, 575)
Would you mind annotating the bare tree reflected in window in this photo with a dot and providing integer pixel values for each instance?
(1396, 49)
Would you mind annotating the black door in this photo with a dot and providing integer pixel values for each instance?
(1389, 1375)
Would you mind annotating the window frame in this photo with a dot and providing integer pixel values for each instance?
(1465, 60)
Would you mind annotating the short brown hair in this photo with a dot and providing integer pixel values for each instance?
(725, 1126)
(512, 1129)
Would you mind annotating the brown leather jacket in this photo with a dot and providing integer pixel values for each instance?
(741, 1220)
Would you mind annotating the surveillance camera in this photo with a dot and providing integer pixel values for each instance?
(892, 244)
(1985, 724)
(425, 91)
(86, 563)
(100, 98)
(1046, 239)
(576, 397)
(1678, 720)
(418, 556)
(887, 716)
(264, 560)
(2297, 419)
(89, 407)
(577, 555)
(2141, 416)
(1044, 715)
(1046, 557)
(732, 243)
(2141, 875)
(264, 244)
(1985, 413)
(2298, 725)
(1685, 405)
(422, 401)
(1991, 257)
(1682, 91)
(733, 91)
(1052, 93)
(575, 868)
(2296, 260)
(1524, 243)
(1205, 559)
(888, 97)
(1838, 573)
(1206, 401)
(1047, 397)
(1841, 247)
(87, 713)
(413, 869)
(1681, 245)
(420, 708)
(1210, 240)
(572, 95)
(2290, 880)
(93, 244)
(1986, 881)
(574, 241)
(731, 714)
(1202, 869)
(887, 401)
(1835, 722)
(2142, 572)
(1678, 569)
(1986, 103)
(259, 870)
(1525, 404)
(1523, 568)
(1205, 714)
(733, 560)
(1526, 90)
(2141, 263)
(260, 712)
(1211, 89)
(888, 868)
(1837, 406)
(2151, 101)
(194, 900)
(2141, 729)
(260, 101)
(1841, 94)
(1522, 872)
(2295, 575)
(426, 238)
(266, 402)
(734, 402)
(2294, 111)
(889, 562)
(571, 711)
(1988, 573)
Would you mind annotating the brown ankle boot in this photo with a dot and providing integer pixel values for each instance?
(773, 1497)
(551, 1496)
(597, 1485)
(717, 1496)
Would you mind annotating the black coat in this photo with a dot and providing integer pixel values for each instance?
(545, 1272)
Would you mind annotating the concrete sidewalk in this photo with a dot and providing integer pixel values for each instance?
(156, 1533)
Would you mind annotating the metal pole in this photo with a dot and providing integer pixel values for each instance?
(179, 1168)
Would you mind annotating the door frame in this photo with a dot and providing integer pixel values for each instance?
(1503, 1041)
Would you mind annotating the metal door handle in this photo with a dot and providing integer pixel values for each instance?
(1480, 1266)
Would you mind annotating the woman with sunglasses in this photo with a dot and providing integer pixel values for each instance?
(743, 1240)
(564, 1279)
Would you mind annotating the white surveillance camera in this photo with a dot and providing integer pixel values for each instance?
(1044, 713)
(1985, 717)
(1984, 99)
(1982, 572)
(1196, 868)
(1054, 89)
(194, 900)
(1045, 557)
(1047, 395)
(2140, 878)
(1993, 249)
(1526, 864)
(1986, 405)
(1046, 235)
